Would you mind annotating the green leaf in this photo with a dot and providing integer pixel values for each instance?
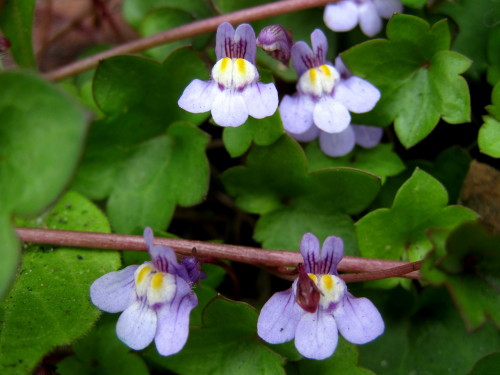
(283, 228)
(490, 364)
(276, 174)
(135, 11)
(9, 253)
(130, 84)
(16, 21)
(419, 78)
(494, 56)
(476, 20)
(170, 169)
(399, 233)
(468, 265)
(226, 344)
(414, 3)
(165, 19)
(343, 361)
(263, 132)
(380, 160)
(100, 352)
(40, 141)
(432, 340)
(489, 134)
(49, 304)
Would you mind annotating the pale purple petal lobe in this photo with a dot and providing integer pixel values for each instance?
(114, 291)
(317, 335)
(229, 109)
(341, 16)
(337, 144)
(279, 317)
(224, 40)
(198, 96)
(302, 57)
(369, 20)
(358, 95)
(331, 116)
(173, 320)
(358, 320)
(297, 113)
(309, 135)
(244, 43)
(386, 8)
(319, 46)
(332, 253)
(136, 326)
(367, 136)
(309, 248)
(261, 99)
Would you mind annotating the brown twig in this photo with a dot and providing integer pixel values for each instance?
(186, 31)
(243, 254)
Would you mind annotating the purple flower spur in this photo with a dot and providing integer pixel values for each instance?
(344, 15)
(156, 299)
(234, 92)
(318, 306)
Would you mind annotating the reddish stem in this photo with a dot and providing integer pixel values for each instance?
(243, 254)
(186, 31)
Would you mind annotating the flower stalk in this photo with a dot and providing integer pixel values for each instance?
(361, 269)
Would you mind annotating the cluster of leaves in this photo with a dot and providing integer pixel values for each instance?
(110, 151)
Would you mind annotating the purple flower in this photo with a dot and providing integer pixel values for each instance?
(352, 92)
(277, 42)
(315, 322)
(346, 14)
(155, 297)
(233, 93)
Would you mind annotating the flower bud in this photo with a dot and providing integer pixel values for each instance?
(276, 42)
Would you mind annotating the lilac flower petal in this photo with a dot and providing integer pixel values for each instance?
(302, 57)
(163, 258)
(173, 320)
(224, 40)
(244, 43)
(279, 317)
(229, 109)
(309, 248)
(330, 115)
(386, 8)
(297, 113)
(367, 136)
(198, 96)
(332, 253)
(337, 144)
(341, 68)
(341, 16)
(358, 95)
(261, 99)
(316, 335)
(307, 136)
(136, 326)
(319, 46)
(369, 20)
(148, 237)
(114, 291)
(358, 320)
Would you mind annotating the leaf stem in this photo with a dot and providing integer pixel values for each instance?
(370, 269)
(186, 31)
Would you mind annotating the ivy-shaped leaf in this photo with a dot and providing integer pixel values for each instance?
(476, 20)
(467, 263)
(277, 185)
(399, 232)
(49, 303)
(489, 134)
(41, 137)
(226, 344)
(418, 76)
(170, 169)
